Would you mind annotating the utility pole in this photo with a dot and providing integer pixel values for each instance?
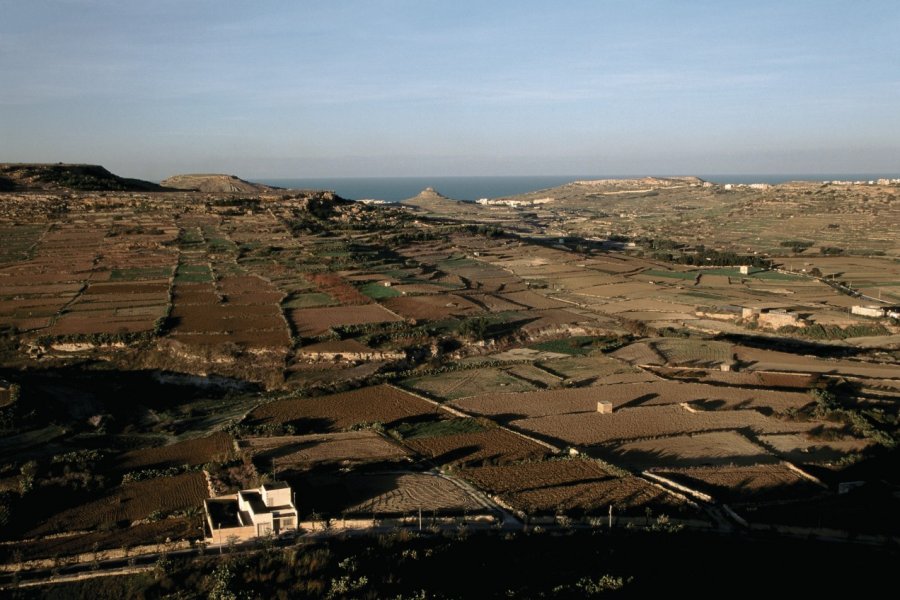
(610, 517)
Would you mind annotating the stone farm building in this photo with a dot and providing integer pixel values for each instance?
(780, 318)
(268, 510)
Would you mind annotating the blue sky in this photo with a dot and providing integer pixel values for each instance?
(320, 89)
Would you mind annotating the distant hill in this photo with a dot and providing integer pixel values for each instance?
(428, 199)
(60, 176)
(615, 194)
(213, 182)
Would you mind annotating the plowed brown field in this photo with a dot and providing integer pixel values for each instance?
(131, 502)
(304, 451)
(383, 404)
(584, 400)
(652, 421)
(316, 321)
(759, 483)
(578, 485)
(492, 446)
(197, 451)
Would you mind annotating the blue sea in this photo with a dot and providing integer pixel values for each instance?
(393, 189)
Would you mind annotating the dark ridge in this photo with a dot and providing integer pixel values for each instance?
(60, 176)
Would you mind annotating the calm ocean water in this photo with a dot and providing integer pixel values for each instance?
(472, 188)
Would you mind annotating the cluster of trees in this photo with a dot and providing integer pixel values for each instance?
(683, 254)
(412, 236)
(705, 257)
(797, 246)
(876, 424)
(485, 328)
(489, 231)
(72, 472)
(102, 339)
(475, 329)
(145, 474)
(817, 331)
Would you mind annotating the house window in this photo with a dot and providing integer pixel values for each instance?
(287, 523)
(265, 528)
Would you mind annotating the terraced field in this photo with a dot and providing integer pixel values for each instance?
(744, 484)
(301, 452)
(383, 494)
(311, 322)
(589, 428)
(488, 447)
(570, 485)
(335, 412)
(701, 449)
(468, 382)
(216, 447)
(131, 502)
(569, 402)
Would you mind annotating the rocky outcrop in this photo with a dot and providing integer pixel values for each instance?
(427, 199)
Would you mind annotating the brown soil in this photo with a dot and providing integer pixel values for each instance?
(216, 447)
(382, 404)
(316, 321)
(578, 485)
(131, 502)
(490, 447)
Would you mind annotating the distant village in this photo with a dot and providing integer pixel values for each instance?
(882, 181)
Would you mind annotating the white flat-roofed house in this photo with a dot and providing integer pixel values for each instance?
(876, 312)
(270, 508)
(267, 510)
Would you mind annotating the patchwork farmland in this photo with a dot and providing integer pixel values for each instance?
(390, 360)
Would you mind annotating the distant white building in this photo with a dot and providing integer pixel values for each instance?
(877, 312)
(513, 203)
